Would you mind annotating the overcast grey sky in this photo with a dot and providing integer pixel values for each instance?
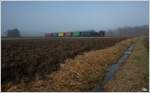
(38, 17)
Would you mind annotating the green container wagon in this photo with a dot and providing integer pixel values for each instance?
(76, 34)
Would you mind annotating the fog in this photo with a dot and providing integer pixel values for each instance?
(36, 18)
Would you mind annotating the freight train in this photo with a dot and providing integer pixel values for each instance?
(90, 33)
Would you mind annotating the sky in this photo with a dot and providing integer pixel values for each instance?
(34, 18)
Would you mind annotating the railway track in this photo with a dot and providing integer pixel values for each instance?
(50, 38)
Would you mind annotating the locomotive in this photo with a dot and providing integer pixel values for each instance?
(90, 33)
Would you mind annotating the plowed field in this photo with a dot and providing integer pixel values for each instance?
(25, 60)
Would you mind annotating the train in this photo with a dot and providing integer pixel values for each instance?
(90, 33)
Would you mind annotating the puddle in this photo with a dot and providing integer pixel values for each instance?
(114, 67)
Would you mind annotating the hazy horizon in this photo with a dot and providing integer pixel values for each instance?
(34, 18)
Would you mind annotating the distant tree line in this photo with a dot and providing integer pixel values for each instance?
(13, 33)
(130, 31)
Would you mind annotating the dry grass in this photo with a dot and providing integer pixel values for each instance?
(82, 73)
(133, 75)
(78, 74)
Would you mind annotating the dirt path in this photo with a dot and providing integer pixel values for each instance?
(114, 68)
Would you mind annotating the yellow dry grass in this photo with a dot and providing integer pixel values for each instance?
(133, 75)
(82, 73)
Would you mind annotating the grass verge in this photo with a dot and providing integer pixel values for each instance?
(134, 74)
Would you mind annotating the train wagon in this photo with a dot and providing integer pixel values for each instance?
(67, 34)
(85, 34)
(48, 35)
(54, 34)
(76, 34)
(60, 34)
(90, 33)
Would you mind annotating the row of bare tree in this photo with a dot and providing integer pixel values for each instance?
(129, 31)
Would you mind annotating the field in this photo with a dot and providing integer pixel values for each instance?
(74, 64)
(24, 60)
